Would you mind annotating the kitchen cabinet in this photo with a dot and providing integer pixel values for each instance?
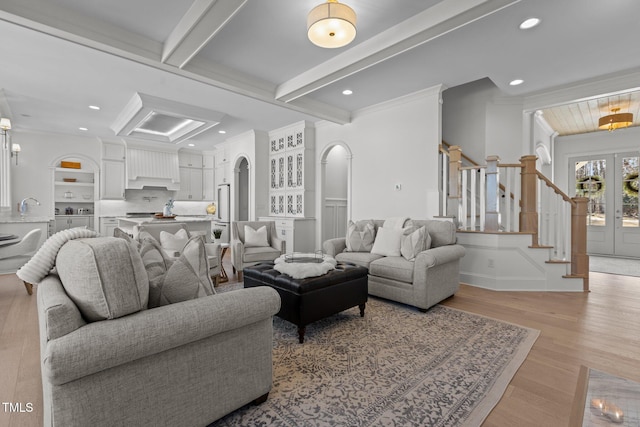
(190, 184)
(112, 182)
(113, 151)
(189, 159)
(222, 175)
(208, 184)
(208, 161)
(64, 222)
(298, 233)
(107, 225)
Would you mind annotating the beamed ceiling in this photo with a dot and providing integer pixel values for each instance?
(251, 62)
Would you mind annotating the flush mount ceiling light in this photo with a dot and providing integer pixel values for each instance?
(161, 120)
(615, 120)
(516, 82)
(331, 25)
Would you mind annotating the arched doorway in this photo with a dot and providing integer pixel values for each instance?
(242, 199)
(335, 196)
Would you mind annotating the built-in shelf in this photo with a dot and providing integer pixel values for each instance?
(75, 184)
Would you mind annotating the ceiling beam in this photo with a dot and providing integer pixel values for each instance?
(434, 22)
(68, 25)
(203, 20)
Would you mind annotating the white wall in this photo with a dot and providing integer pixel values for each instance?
(33, 177)
(483, 121)
(394, 143)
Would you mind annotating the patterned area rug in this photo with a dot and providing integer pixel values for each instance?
(394, 367)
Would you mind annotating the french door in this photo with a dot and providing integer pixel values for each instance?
(610, 182)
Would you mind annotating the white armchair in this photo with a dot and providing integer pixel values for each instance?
(14, 256)
(214, 251)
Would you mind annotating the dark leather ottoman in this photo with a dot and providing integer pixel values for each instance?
(306, 300)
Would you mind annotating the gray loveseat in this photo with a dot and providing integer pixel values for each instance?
(432, 276)
(187, 363)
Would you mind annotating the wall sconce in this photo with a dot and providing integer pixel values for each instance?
(5, 125)
(15, 149)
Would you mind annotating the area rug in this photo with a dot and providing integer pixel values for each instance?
(395, 366)
(606, 400)
(611, 265)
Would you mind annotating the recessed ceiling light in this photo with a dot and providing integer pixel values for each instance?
(83, 129)
(516, 82)
(94, 107)
(347, 92)
(191, 145)
(222, 131)
(529, 23)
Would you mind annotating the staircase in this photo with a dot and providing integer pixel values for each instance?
(520, 230)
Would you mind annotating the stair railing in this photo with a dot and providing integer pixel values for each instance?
(499, 197)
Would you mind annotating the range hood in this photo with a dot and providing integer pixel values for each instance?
(147, 167)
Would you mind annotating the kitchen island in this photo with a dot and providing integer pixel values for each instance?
(195, 224)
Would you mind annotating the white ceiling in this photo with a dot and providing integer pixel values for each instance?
(251, 60)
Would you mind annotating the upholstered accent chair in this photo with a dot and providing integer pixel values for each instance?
(214, 251)
(246, 253)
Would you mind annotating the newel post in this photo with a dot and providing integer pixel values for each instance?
(529, 188)
(579, 257)
(455, 162)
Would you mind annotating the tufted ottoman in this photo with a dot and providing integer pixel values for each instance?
(306, 300)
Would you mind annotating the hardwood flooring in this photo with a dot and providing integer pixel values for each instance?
(598, 329)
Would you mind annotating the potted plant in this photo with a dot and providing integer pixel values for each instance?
(217, 233)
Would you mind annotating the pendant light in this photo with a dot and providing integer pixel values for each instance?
(331, 25)
(615, 120)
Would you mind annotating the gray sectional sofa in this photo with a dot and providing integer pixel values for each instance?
(108, 359)
(433, 275)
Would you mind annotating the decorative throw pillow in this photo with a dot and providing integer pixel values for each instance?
(104, 276)
(255, 238)
(387, 241)
(360, 236)
(414, 242)
(173, 243)
(181, 279)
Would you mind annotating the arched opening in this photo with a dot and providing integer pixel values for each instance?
(335, 194)
(243, 190)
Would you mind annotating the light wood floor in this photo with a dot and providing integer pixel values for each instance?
(599, 329)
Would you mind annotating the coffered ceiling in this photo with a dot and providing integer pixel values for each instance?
(250, 60)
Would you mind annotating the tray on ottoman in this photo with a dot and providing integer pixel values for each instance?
(306, 300)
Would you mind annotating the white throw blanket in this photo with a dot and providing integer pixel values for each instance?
(43, 261)
(395, 222)
(301, 270)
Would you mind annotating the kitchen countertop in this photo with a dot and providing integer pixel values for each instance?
(178, 218)
(26, 218)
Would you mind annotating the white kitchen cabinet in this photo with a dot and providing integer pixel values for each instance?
(64, 222)
(113, 151)
(112, 182)
(222, 174)
(190, 184)
(107, 225)
(189, 159)
(298, 233)
(208, 184)
(208, 161)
